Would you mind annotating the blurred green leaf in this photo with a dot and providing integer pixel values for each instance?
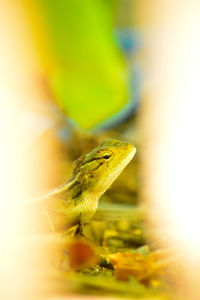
(86, 71)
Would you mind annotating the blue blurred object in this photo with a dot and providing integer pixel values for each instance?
(129, 40)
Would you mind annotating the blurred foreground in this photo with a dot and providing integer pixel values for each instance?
(143, 241)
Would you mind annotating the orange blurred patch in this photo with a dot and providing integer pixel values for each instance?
(81, 254)
(144, 268)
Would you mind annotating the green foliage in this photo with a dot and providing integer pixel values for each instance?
(85, 68)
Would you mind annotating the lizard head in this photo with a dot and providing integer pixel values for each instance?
(100, 167)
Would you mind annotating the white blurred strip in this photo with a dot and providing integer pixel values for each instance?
(18, 64)
(173, 120)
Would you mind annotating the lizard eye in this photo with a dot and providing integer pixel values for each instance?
(107, 156)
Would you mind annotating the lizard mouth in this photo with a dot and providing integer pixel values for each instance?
(124, 162)
(129, 157)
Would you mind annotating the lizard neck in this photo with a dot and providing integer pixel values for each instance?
(85, 186)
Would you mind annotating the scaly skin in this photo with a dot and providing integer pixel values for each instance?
(76, 202)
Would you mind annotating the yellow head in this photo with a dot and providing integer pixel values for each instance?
(100, 167)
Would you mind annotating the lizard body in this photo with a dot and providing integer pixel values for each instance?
(76, 202)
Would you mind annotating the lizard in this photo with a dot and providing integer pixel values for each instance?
(75, 202)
